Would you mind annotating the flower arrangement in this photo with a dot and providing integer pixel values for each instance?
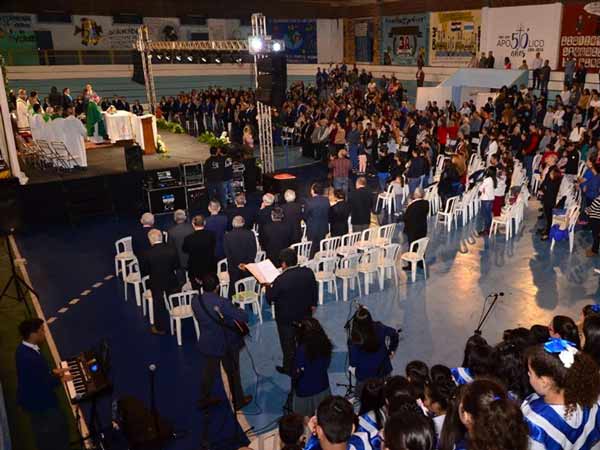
(212, 140)
(173, 127)
(160, 145)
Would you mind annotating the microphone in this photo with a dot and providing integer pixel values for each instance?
(219, 313)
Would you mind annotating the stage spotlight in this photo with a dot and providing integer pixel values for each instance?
(203, 59)
(218, 59)
(277, 47)
(168, 58)
(255, 44)
(189, 58)
(159, 57)
(178, 58)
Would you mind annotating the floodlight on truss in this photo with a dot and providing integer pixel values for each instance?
(258, 45)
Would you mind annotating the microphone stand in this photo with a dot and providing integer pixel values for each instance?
(152, 372)
(485, 313)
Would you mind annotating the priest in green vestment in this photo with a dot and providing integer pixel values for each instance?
(94, 121)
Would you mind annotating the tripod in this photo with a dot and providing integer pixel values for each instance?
(20, 285)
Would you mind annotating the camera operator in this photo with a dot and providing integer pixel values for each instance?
(221, 340)
(311, 362)
(371, 347)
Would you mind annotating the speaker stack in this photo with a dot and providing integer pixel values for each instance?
(272, 79)
(134, 160)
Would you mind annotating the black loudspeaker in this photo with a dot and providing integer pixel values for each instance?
(11, 214)
(272, 79)
(133, 158)
(142, 429)
(138, 69)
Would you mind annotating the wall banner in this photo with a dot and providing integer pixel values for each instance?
(453, 37)
(163, 28)
(519, 32)
(16, 31)
(404, 39)
(363, 40)
(580, 34)
(300, 38)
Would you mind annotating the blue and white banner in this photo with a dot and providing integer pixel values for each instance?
(404, 39)
(300, 38)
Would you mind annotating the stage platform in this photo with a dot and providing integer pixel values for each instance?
(109, 159)
(107, 188)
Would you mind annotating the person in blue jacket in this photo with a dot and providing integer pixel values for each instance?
(220, 343)
(311, 362)
(36, 388)
(371, 348)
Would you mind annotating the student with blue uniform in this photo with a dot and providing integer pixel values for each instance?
(334, 426)
(563, 413)
(311, 362)
(371, 347)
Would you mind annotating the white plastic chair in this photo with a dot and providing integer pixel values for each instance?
(432, 196)
(387, 199)
(123, 255)
(463, 206)
(330, 245)
(573, 215)
(302, 251)
(133, 277)
(347, 271)
(348, 245)
(179, 307)
(505, 219)
(385, 234)
(387, 263)
(247, 292)
(369, 266)
(324, 269)
(223, 274)
(366, 240)
(416, 254)
(287, 136)
(261, 255)
(448, 215)
(147, 303)
(536, 177)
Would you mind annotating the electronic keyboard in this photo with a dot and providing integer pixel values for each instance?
(88, 377)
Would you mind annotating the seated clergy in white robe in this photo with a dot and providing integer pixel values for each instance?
(75, 134)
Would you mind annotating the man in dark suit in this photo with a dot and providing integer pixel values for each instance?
(36, 385)
(219, 343)
(316, 216)
(275, 236)
(240, 249)
(295, 295)
(200, 247)
(217, 223)
(361, 205)
(67, 100)
(292, 214)
(139, 236)
(240, 209)
(160, 263)
(263, 216)
(177, 233)
(415, 217)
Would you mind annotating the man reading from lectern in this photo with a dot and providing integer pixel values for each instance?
(295, 295)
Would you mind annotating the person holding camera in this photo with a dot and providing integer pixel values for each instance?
(223, 328)
(371, 347)
(311, 362)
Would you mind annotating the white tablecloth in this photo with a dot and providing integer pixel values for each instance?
(123, 125)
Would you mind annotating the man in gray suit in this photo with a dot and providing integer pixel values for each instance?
(177, 233)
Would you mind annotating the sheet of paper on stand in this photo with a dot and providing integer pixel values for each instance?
(264, 272)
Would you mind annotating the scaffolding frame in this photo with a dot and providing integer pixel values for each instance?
(259, 28)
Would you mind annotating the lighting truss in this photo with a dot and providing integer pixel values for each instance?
(198, 46)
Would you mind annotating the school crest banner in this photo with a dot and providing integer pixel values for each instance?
(519, 32)
(404, 39)
(580, 34)
(453, 37)
(300, 38)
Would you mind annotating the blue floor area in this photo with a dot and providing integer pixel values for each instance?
(436, 315)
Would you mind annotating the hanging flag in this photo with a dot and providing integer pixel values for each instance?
(455, 26)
